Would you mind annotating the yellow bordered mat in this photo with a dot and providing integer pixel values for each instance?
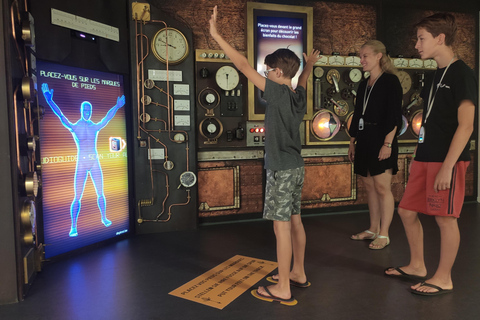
(227, 281)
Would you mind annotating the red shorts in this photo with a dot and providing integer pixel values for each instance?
(419, 195)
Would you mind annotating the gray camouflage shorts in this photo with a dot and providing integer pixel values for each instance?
(283, 193)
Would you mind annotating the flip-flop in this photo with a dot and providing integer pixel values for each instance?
(270, 298)
(306, 284)
(435, 293)
(403, 274)
(372, 237)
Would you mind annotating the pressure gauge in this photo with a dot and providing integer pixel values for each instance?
(430, 64)
(322, 60)
(318, 72)
(211, 128)
(208, 98)
(415, 63)
(173, 41)
(400, 62)
(179, 138)
(352, 61)
(227, 78)
(336, 60)
(366, 74)
(354, 75)
(188, 179)
(405, 81)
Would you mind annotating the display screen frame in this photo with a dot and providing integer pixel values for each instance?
(61, 148)
(258, 12)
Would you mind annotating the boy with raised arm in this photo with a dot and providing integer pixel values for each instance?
(284, 164)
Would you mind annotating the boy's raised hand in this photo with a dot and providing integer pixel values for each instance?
(312, 57)
(213, 23)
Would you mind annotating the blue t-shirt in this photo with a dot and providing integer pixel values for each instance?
(283, 116)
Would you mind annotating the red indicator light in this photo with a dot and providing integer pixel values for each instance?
(257, 130)
(252, 130)
(262, 130)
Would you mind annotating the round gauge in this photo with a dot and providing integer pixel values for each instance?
(318, 72)
(149, 84)
(227, 78)
(168, 165)
(179, 138)
(145, 117)
(405, 81)
(332, 73)
(211, 128)
(322, 60)
(336, 60)
(416, 122)
(366, 74)
(354, 75)
(28, 215)
(146, 100)
(404, 127)
(188, 179)
(31, 184)
(430, 64)
(400, 62)
(341, 108)
(325, 125)
(353, 61)
(172, 41)
(348, 123)
(208, 98)
(415, 63)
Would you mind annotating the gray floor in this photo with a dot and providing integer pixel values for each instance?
(131, 279)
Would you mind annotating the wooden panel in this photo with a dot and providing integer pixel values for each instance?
(220, 188)
(328, 182)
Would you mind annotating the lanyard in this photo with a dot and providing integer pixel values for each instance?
(432, 99)
(366, 96)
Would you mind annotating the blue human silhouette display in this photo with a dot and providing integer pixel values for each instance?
(85, 133)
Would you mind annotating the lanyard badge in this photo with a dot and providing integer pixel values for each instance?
(360, 124)
(421, 135)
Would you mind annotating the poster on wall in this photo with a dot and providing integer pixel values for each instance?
(83, 157)
(271, 27)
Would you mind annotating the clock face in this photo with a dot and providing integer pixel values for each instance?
(173, 41)
(336, 60)
(405, 81)
(227, 78)
(400, 63)
(352, 61)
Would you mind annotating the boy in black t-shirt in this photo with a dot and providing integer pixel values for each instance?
(436, 185)
(283, 161)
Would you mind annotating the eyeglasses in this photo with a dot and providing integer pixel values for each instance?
(267, 71)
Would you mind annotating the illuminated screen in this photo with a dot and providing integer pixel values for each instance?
(274, 30)
(84, 157)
